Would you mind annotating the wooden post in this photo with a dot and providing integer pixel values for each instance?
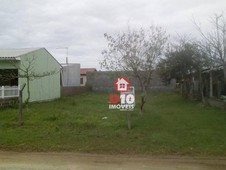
(20, 120)
(20, 112)
(128, 116)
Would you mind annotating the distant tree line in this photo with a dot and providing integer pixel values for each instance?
(200, 63)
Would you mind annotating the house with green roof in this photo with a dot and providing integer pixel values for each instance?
(37, 65)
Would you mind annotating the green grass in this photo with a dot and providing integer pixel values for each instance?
(170, 125)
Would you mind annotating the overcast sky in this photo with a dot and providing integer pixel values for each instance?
(79, 25)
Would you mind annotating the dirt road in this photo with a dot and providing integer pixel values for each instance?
(71, 161)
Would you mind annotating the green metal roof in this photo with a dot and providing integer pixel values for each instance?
(15, 53)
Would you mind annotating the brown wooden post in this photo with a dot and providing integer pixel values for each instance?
(128, 116)
(20, 112)
(20, 120)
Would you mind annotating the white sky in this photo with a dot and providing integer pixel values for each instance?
(80, 25)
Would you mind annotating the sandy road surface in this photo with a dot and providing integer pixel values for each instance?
(71, 161)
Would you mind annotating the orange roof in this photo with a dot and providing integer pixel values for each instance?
(85, 70)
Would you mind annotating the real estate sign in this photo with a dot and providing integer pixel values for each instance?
(125, 101)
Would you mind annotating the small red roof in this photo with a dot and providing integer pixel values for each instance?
(85, 70)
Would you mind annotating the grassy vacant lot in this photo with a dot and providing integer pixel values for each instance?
(170, 125)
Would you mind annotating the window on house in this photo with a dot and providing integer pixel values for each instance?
(8, 77)
(122, 86)
(81, 80)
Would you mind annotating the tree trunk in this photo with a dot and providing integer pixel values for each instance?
(224, 69)
(143, 95)
(142, 103)
(211, 83)
(218, 89)
(181, 88)
(201, 87)
(191, 87)
(186, 88)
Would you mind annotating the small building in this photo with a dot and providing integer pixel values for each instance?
(43, 70)
(83, 75)
(70, 75)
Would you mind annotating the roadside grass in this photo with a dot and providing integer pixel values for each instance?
(170, 125)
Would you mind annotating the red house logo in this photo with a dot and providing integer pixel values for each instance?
(125, 101)
(122, 84)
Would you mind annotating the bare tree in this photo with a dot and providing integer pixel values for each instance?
(26, 69)
(136, 51)
(214, 42)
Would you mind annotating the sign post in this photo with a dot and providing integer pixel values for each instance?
(126, 100)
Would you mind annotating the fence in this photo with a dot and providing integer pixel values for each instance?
(71, 91)
(9, 91)
(104, 81)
